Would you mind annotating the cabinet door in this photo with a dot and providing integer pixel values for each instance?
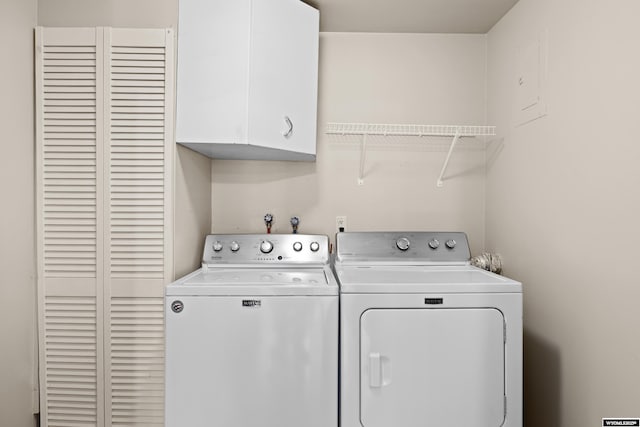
(283, 75)
(432, 367)
(213, 67)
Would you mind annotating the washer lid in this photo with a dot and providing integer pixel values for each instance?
(259, 282)
(422, 279)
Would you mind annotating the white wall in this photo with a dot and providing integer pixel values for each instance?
(192, 209)
(375, 78)
(563, 206)
(17, 223)
(115, 13)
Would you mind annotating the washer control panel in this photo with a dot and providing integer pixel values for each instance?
(416, 247)
(265, 249)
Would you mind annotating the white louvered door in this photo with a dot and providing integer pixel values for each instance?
(104, 114)
(138, 114)
(70, 225)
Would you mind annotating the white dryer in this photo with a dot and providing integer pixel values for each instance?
(426, 338)
(252, 336)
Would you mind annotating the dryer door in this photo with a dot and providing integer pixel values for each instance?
(432, 367)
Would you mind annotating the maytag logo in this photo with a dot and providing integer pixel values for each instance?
(621, 422)
(251, 303)
(433, 301)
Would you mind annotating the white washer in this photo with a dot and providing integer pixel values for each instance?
(252, 336)
(426, 338)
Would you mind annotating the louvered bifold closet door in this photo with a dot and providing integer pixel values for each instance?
(69, 104)
(104, 112)
(138, 136)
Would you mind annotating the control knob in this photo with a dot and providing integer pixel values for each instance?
(217, 246)
(266, 246)
(403, 243)
(451, 243)
(234, 246)
(315, 246)
(297, 246)
(434, 243)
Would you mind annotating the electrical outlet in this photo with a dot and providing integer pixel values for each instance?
(341, 223)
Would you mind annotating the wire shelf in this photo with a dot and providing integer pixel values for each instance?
(408, 130)
(365, 129)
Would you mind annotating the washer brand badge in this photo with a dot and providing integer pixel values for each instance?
(621, 421)
(433, 301)
(177, 306)
(251, 303)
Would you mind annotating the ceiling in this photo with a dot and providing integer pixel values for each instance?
(410, 16)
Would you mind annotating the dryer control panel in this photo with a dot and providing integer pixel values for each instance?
(265, 249)
(418, 247)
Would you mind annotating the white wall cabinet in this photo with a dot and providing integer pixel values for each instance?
(248, 78)
(104, 160)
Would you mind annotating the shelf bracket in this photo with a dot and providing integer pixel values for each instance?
(456, 137)
(363, 152)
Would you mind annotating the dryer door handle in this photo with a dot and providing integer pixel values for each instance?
(375, 370)
(379, 370)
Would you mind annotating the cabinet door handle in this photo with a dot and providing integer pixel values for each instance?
(287, 133)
